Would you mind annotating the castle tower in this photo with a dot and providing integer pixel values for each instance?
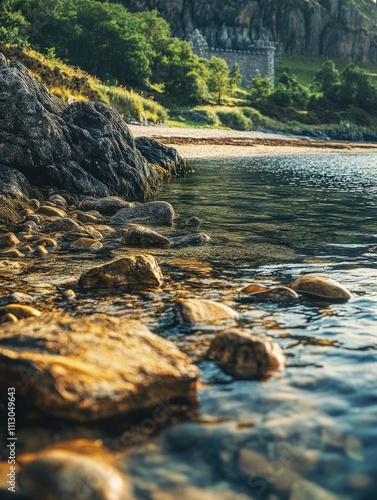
(260, 58)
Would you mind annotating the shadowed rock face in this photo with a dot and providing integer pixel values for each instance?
(83, 148)
(333, 28)
(92, 367)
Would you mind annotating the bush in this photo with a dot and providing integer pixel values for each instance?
(235, 120)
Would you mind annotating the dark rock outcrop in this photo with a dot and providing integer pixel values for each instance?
(163, 156)
(84, 148)
(343, 29)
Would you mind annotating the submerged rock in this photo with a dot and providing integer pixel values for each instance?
(60, 474)
(85, 243)
(272, 293)
(246, 355)
(202, 311)
(92, 367)
(143, 237)
(158, 213)
(135, 271)
(191, 239)
(321, 287)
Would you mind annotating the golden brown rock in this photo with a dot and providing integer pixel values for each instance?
(51, 211)
(272, 293)
(8, 240)
(41, 251)
(84, 217)
(92, 367)
(21, 311)
(47, 242)
(83, 243)
(321, 287)
(246, 355)
(9, 318)
(11, 253)
(61, 474)
(136, 271)
(205, 312)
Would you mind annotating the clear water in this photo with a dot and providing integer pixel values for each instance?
(313, 426)
(310, 214)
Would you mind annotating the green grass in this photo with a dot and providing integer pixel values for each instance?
(306, 67)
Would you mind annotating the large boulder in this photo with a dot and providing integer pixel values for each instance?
(83, 148)
(93, 367)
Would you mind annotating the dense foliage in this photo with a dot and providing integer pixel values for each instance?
(117, 46)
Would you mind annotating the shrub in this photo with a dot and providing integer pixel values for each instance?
(235, 119)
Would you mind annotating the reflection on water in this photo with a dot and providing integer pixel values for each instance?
(312, 426)
(323, 209)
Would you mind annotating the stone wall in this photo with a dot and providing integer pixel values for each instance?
(261, 60)
(258, 59)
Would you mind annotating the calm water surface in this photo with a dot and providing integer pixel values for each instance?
(311, 431)
(273, 219)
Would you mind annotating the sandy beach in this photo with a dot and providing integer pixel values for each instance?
(213, 143)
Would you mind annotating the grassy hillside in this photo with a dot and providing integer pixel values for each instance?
(68, 82)
(306, 67)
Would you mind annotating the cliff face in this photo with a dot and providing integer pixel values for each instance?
(334, 28)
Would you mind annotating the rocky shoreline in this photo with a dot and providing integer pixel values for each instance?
(74, 188)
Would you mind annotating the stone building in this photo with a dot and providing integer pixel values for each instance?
(260, 58)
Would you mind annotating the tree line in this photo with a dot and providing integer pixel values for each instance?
(106, 40)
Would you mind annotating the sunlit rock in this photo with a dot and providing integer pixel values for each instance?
(92, 367)
(321, 287)
(202, 311)
(136, 271)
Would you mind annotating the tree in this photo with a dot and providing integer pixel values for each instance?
(327, 80)
(183, 74)
(235, 77)
(218, 77)
(261, 88)
(357, 89)
(12, 23)
(289, 92)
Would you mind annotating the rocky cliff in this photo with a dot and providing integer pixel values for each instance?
(346, 29)
(84, 148)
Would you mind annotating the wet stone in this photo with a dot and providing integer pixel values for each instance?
(92, 367)
(21, 311)
(136, 271)
(158, 213)
(272, 293)
(59, 474)
(321, 287)
(202, 311)
(8, 240)
(143, 237)
(63, 224)
(58, 200)
(194, 221)
(191, 239)
(40, 251)
(246, 355)
(85, 243)
(51, 211)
